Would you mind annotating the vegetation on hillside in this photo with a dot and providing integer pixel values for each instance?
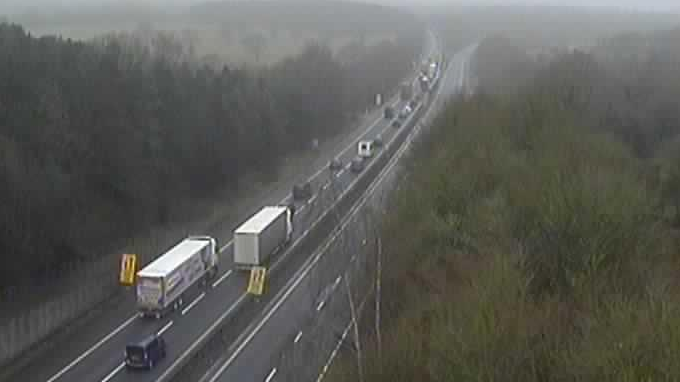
(534, 241)
(105, 139)
(235, 32)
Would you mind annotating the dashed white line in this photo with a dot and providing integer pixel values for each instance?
(114, 372)
(92, 349)
(339, 173)
(320, 306)
(325, 186)
(302, 207)
(226, 246)
(297, 338)
(224, 276)
(193, 303)
(313, 198)
(354, 257)
(271, 375)
(165, 328)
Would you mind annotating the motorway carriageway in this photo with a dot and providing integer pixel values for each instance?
(254, 356)
(99, 357)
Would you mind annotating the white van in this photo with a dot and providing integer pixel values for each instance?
(365, 149)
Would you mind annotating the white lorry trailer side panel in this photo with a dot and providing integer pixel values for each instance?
(257, 238)
(166, 278)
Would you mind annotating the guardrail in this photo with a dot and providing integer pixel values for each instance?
(215, 340)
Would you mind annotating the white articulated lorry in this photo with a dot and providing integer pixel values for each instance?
(262, 235)
(161, 284)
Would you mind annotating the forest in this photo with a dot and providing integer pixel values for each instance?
(104, 138)
(536, 239)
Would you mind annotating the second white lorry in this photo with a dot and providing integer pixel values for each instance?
(262, 235)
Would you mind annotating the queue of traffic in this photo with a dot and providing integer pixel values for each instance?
(162, 284)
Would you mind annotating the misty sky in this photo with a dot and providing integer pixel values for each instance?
(650, 5)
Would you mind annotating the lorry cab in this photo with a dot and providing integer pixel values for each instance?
(145, 353)
(365, 149)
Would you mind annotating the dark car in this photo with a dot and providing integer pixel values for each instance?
(413, 104)
(357, 164)
(146, 353)
(335, 164)
(389, 112)
(377, 141)
(396, 123)
(302, 191)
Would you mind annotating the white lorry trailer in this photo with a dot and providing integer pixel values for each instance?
(161, 284)
(264, 234)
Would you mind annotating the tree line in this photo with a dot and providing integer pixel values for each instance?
(536, 239)
(105, 138)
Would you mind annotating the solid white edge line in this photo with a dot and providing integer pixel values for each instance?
(302, 273)
(114, 372)
(243, 296)
(165, 328)
(129, 320)
(271, 375)
(193, 303)
(92, 349)
(222, 278)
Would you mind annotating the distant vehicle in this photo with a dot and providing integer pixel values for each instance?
(315, 143)
(262, 235)
(365, 149)
(406, 91)
(377, 141)
(389, 112)
(145, 353)
(396, 123)
(335, 164)
(161, 284)
(302, 191)
(413, 103)
(357, 164)
(405, 112)
(424, 83)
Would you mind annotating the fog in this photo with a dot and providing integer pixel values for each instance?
(12, 6)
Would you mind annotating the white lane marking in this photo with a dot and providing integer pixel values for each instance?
(325, 186)
(129, 321)
(320, 306)
(337, 281)
(325, 368)
(114, 372)
(200, 339)
(313, 198)
(283, 294)
(354, 257)
(302, 207)
(339, 174)
(271, 375)
(226, 245)
(297, 338)
(224, 276)
(92, 349)
(193, 303)
(165, 328)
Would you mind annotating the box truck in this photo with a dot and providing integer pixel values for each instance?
(161, 284)
(264, 234)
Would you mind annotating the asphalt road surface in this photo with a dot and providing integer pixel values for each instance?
(287, 324)
(94, 352)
